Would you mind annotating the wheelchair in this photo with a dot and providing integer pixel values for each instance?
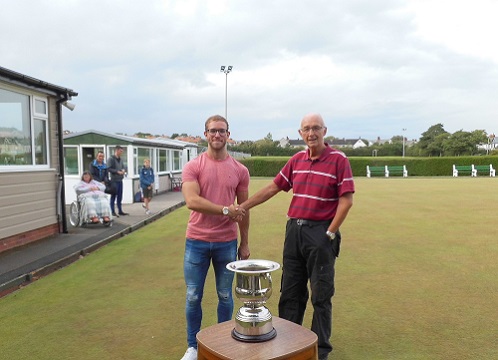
(76, 219)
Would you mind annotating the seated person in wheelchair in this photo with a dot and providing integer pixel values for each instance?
(93, 200)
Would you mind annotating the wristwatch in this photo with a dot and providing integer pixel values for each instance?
(330, 234)
(225, 210)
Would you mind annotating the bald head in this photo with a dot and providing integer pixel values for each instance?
(314, 118)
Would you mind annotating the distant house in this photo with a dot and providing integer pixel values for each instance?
(286, 142)
(380, 141)
(168, 157)
(190, 139)
(351, 143)
(490, 145)
(31, 159)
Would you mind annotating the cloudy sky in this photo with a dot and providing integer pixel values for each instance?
(371, 67)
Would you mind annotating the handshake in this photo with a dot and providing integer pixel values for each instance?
(234, 212)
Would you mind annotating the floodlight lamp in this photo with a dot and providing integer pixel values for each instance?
(69, 105)
(229, 68)
(222, 69)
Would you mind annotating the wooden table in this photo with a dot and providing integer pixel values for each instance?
(292, 342)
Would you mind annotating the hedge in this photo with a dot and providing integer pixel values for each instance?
(416, 166)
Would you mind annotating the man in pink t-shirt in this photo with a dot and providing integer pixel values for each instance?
(211, 184)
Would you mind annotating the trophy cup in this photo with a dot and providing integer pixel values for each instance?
(253, 287)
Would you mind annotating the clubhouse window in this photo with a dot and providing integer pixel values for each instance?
(23, 131)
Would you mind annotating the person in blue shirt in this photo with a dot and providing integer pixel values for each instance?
(146, 183)
(98, 169)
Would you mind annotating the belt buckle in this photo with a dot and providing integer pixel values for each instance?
(300, 222)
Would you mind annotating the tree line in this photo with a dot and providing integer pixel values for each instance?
(436, 141)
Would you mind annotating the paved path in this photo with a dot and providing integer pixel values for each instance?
(20, 266)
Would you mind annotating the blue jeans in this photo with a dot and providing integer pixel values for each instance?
(198, 256)
(118, 185)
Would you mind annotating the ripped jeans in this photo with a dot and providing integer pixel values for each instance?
(196, 262)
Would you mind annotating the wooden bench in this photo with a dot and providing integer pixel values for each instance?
(487, 169)
(396, 170)
(387, 170)
(376, 170)
(464, 169)
(176, 182)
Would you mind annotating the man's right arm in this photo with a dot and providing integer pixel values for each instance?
(111, 167)
(261, 196)
(194, 201)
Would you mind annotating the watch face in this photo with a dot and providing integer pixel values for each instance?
(226, 211)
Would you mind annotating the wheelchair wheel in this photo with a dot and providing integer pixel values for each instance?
(74, 214)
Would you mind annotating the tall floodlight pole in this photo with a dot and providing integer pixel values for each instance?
(226, 70)
(404, 142)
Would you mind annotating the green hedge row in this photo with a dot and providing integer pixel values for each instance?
(416, 166)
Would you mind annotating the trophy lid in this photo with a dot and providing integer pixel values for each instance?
(253, 266)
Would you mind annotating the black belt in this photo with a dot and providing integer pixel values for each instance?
(301, 222)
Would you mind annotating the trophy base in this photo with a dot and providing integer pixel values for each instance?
(254, 338)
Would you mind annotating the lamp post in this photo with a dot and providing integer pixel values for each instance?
(404, 142)
(226, 70)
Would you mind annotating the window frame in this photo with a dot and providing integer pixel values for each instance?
(164, 154)
(78, 160)
(176, 161)
(36, 98)
(44, 118)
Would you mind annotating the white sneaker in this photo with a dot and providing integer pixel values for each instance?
(143, 205)
(148, 212)
(190, 354)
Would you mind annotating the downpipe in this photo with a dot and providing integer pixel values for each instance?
(61, 198)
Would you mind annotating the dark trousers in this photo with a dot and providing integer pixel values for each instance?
(118, 185)
(309, 255)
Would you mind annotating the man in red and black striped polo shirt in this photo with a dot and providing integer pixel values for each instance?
(322, 183)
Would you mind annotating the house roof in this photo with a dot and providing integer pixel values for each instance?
(120, 139)
(36, 84)
(344, 142)
(299, 142)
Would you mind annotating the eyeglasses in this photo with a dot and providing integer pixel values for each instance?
(314, 128)
(213, 132)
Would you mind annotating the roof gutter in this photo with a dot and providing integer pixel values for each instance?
(35, 84)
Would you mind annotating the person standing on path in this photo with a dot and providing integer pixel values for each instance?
(98, 169)
(146, 183)
(117, 170)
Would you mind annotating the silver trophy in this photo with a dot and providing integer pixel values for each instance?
(253, 287)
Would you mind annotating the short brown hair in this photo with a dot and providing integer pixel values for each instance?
(87, 173)
(215, 118)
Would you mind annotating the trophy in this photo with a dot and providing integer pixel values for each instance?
(253, 287)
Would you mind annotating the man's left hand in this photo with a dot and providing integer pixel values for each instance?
(243, 252)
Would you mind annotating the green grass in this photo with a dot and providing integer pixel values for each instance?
(416, 279)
